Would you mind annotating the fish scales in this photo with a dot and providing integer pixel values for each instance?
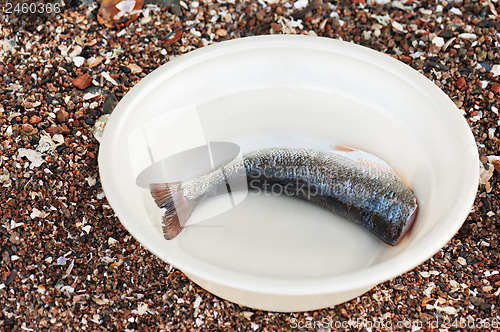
(374, 198)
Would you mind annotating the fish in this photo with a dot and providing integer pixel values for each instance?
(348, 182)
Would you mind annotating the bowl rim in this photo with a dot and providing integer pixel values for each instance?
(372, 275)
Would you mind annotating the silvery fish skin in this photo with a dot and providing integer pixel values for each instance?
(357, 186)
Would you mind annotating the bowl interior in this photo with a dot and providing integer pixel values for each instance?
(291, 91)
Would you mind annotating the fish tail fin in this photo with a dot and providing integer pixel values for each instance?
(177, 207)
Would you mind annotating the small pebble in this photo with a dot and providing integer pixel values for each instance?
(61, 261)
(27, 128)
(35, 119)
(495, 70)
(397, 26)
(12, 276)
(9, 45)
(487, 289)
(90, 95)
(491, 133)
(93, 62)
(78, 61)
(62, 116)
(89, 121)
(495, 87)
(438, 41)
(460, 83)
(477, 301)
(134, 68)
(112, 241)
(79, 114)
(125, 69)
(110, 103)
(221, 32)
(399, 287)
(110, 79)
(248, 314)
(299, 4)
(468, 36)
(54, 130)
(82, 82)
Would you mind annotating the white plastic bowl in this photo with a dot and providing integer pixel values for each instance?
(278, 253)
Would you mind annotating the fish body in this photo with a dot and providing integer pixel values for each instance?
(353, 184)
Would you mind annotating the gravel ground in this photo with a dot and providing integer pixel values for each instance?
(66, 261)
